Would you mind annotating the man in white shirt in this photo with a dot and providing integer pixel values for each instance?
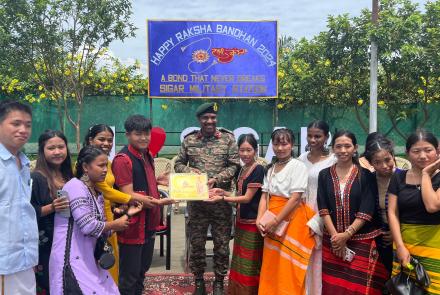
(19, 230)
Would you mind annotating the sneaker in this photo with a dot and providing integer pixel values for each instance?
(200, 287)
(218, 288)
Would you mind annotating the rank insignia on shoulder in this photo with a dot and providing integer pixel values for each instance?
(221, 129)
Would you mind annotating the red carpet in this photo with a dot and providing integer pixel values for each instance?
(174, 283)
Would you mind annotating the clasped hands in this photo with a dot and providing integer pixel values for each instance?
(215, 195)
(338, 243)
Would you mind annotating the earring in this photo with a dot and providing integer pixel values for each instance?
(307, 148)
(85, 177)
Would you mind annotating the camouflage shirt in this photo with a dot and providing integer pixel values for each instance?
(216, 155)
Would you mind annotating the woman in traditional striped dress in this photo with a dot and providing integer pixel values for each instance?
(347, 203)
(414, 208)
(244, 274)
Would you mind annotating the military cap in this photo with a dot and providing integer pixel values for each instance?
(209, 107)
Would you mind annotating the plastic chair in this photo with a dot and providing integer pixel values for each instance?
(164, 229)
(162, 165)
(262, 161)
(402, 163)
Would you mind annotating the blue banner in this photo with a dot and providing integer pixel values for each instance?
(224, 59)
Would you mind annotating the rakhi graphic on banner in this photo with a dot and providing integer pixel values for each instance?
(227, 59)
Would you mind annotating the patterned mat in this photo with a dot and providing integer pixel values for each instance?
(174, 283)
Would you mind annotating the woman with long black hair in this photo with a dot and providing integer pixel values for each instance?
(52, 171)
(347, 203)
(73, 267)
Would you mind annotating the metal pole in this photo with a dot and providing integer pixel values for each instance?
(373, 73)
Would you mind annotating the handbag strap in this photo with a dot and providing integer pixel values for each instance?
(68, 242)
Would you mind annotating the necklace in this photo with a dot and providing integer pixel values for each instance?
(282, 162)
(345, 175)
(244, 169)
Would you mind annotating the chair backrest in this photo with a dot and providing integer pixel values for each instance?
(33, 164)
(173, 162)
(162, 165)
(403, 163)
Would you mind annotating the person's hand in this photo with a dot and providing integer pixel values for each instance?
(135, 208)
(339, 241)
(195, 170)
(60, 204)
(121, 223)
(387, 238)
(403, 255)
(430, 169)
(148, 202)
(271, 226)
(339, 253)
(166, 201)
(120, 209)
(260, 227)
(216, 192)
(211, 182)
(163, 179)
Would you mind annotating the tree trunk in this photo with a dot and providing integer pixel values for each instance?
(60, 116)
(361, 123)
(275, 113)
(394, 123)
(78, 136)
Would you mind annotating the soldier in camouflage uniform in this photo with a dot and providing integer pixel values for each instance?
(212, 151)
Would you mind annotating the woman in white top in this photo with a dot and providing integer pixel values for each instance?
(286, 251)
(316, 159)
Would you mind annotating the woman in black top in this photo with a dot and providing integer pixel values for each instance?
(380, 154)
(52, 171)
(414, 221)
(248, 243)
(347, 204)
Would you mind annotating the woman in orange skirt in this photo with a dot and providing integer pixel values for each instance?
(287, 252)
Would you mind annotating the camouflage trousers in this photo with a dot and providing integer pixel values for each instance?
(219, 216)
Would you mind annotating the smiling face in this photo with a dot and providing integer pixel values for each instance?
(344, 149)
(383, 163)
(422, 154)
(139, 139)
(103, 140)
(55, 151)
(246, 153)
(282, 148)
(15, 130)
(96, 169)
(316, 138)
(208, 123)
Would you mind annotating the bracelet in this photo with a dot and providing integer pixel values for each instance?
(53, 207)
(128, 215)
(351, 231)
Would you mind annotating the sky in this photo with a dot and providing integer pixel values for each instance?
(296, 18)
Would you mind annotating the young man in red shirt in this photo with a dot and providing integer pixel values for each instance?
(133, 168)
